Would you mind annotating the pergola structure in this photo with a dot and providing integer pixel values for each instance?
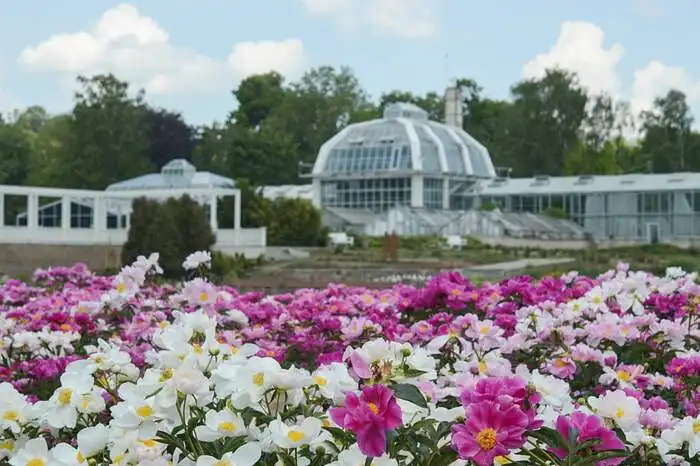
(38, 215)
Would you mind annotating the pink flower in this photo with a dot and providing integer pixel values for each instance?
(589, 428)
(490, 431)
(369, 416)
(505, 391)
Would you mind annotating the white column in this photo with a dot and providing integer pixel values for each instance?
(213, 217)
(99, 220)
(316, 192)
(32, 211)
(237, 211)
(417, 191)
(65, 212)
(446, 193)
(2, 210)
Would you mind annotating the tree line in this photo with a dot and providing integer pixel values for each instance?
(550, 126)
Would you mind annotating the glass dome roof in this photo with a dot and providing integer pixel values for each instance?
(177, 173)
(404, 139)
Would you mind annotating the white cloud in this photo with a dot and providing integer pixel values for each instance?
(581, 48)
(136, 48)
(249, 58)
(398, 18)
(656, 79)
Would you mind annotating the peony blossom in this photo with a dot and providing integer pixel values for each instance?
(490, 430)
(370, 416)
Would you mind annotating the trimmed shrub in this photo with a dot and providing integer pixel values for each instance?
(174, 229)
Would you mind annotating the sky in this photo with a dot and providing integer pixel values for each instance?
(189, 54)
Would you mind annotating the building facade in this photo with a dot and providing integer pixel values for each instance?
(634, 207)
(72, 217)
(402, 159)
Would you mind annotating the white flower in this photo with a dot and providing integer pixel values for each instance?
(247, 455)
(616, 405)
(196, 260)
(65, 455)
(65, 401)
(149, 263)
(334, 381)
(92, 440)
(189, 380)
(554, 391)
(688, 430)
(13, 407)
(34, 453)
(354, 457)
(221, 424)
(296, 435)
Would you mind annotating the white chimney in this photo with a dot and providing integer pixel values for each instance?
(454, 106)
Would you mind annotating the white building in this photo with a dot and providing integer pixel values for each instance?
(91, 218)
(400, 160)
(406, 173)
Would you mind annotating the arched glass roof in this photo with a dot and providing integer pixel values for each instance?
(403, 139)
(177, 173)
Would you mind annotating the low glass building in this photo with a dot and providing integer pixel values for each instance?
(402, 159)
(406, 167)
(636, 207)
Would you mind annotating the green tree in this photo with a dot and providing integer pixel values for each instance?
(169, 136)
(264, 156)
(174, 229)
(32, 119)
(485, 119)
(137, 242)
(294, 222)
(48, 150)
(316, 107)
(108, 138)
(583, 159)
(258, 96)
(668, 142)
(15, 154)
(544, 123)
(192, 222)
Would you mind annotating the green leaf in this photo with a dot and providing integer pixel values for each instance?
(409, 393)
(594, 459)
(445, 457)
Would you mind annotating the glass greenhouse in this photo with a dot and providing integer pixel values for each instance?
(402, 159)
(177, 173)
(636, 207)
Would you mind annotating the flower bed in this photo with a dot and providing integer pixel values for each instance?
(565, 370)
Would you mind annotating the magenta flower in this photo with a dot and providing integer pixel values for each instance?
(491, 430)
(505, 391)
(588, 428)
(369, 416)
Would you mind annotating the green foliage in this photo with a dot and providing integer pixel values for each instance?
(174, 229)
(15, 154)
(289, 222)
(107, 139)
(294, 222)
(488, 206)
(226, 267)
(555, 212)
(192, 223)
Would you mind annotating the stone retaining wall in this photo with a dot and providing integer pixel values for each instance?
(23, 259)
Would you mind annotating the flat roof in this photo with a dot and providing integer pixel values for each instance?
(560, 185)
